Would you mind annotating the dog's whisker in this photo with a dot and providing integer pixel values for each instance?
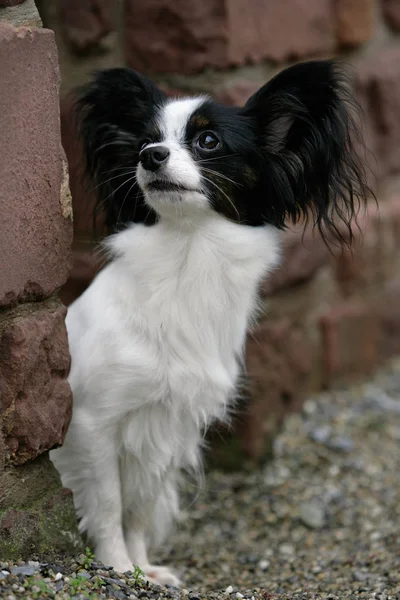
(224, 194)
(127, 169)
(119, 187)
(126, 195)
(114, 143)
(204, 160)
(222, 176)
(110, 179)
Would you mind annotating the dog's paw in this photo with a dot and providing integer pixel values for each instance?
(161, 576)
(119, 566)
(119, 561)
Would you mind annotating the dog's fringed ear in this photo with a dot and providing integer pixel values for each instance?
(304, 118)
(111, 113)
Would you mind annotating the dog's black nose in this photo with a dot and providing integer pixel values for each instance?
(154, 157)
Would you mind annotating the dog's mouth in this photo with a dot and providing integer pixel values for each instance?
(160, 185)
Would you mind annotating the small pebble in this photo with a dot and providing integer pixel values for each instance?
(229, 590)
(286, 549)
(263, 564)
(312, 514)
(84, 574)
(25, 570)
(341, 444)
(321, 434)
(34, 563)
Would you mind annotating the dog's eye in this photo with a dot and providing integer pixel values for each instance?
(208, 141)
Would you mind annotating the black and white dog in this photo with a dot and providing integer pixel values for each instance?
(157, 339)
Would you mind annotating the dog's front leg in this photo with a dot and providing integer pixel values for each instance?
(103, 507)
(135, 541)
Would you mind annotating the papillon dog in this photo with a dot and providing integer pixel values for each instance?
(194, 193)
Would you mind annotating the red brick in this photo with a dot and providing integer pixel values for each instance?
(388, 311)
(374, 256)
(278, 367)
(303, 253)
(36, 230)
(280, 31)
(355, 21)
(84, 22)
(187, 36)
(171, 92)
(378, 89)
(350, 341)
(238, 92)
(36, 400)
(391, 12)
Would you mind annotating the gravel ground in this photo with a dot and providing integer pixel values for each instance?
(322, 520)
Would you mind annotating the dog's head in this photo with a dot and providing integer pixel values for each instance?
(286, 154)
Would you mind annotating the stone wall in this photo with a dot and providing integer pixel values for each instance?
(332, 315)
(35, 241)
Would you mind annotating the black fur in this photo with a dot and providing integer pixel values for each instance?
(306, 141)
(115, 112)
(288, 153)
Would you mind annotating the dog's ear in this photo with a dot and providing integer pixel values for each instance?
(112, 111)
(304, 118)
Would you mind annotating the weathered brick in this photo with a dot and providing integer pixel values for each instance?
(171, 92)
(187, 36)
(378, 88)
(84, 22)
(355, 21)
(350, 341)
(237, 92)
(391, 12)
(278, 367)
(303, 253)
(36, 400)
(388, 311)
(374, 256)
(280, 30)
(35, 231)
(20, 14)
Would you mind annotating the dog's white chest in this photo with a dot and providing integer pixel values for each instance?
(155, 340)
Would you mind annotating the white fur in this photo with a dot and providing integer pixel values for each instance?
(155, 342)
(180, 167)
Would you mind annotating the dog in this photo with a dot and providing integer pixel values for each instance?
(195, 194)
